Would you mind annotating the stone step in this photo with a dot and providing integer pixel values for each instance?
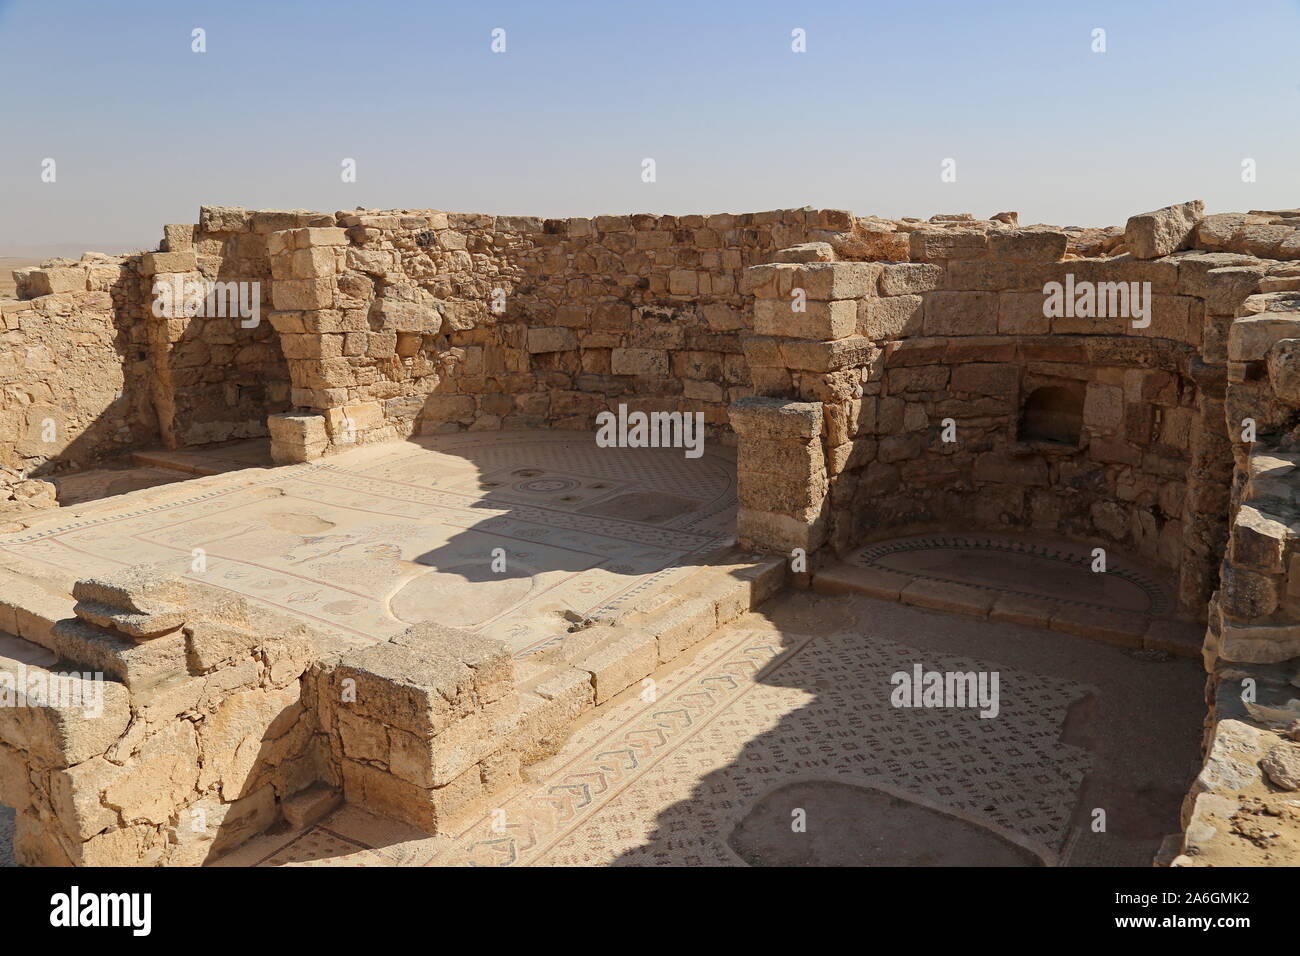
(1112, 627)
(136, 664)
(29, 607)
(311, 805)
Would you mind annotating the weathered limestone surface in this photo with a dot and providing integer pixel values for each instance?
(877, 376)
(199, 735)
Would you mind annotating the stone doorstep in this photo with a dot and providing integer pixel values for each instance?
(1128, 630)
(310, 805)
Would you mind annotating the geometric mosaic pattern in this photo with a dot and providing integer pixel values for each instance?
(368, 542)
(664, 782)
(655, 793)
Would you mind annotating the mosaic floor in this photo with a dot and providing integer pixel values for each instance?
(767, 721)
(508, 534)
(1044, 570)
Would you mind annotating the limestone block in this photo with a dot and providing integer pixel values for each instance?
(848, 353)
(320, 236)
(648, 362)
(438, 760)
(1216, 231)
(890, 317)
(135, 664)
(546, 715)
(1031, 245)
(776, 419)
(827, 281)
(224, 219)
(430, 809)
(620, 664)
(311, 805)
(55, 280)
(1150, 235)
(542, 340)
(1284, 369)
(1246, 595)
(404, 688)
(141, 588)
(133, 624)
(929, 244)
(800, 496)
(235, 740)
(1021, 313)
(805, 252)
(489, 660)
(15, 781)
(1282, 765)
(1250, 338)
(178, 237)
(1228, 287)
(1103, 408)
(158, 779)
(302, 294)
(961, 313)
(1258, 540)
(909, 278)
(303, 429)
(314, 262)
(153, 263)
(780, 533)
(817, 320)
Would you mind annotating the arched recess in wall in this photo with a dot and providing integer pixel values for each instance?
(1053, 413)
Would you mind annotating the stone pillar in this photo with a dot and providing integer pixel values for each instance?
(422, 724)
(781, 482)
(171, 273)
(313, 328)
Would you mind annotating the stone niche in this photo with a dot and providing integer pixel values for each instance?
(1037, 440)
(1052, 414)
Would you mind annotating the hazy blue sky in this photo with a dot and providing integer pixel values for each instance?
(144, 131)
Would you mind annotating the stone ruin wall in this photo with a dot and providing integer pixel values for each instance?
(214, 379)
(73, 384)
(422, 321)
(384, 328)
(959, 338)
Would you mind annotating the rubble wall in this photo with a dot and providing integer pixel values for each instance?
(74, 373)
(158, 723)
(420, 321)
(218, 376)
(925, 369)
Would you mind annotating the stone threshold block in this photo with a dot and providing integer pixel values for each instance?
(297, 437)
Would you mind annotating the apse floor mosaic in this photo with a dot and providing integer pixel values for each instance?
(773, 717)
(1045, 570)
(507, 534)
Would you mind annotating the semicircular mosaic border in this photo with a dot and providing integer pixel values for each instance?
(1155, 594)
